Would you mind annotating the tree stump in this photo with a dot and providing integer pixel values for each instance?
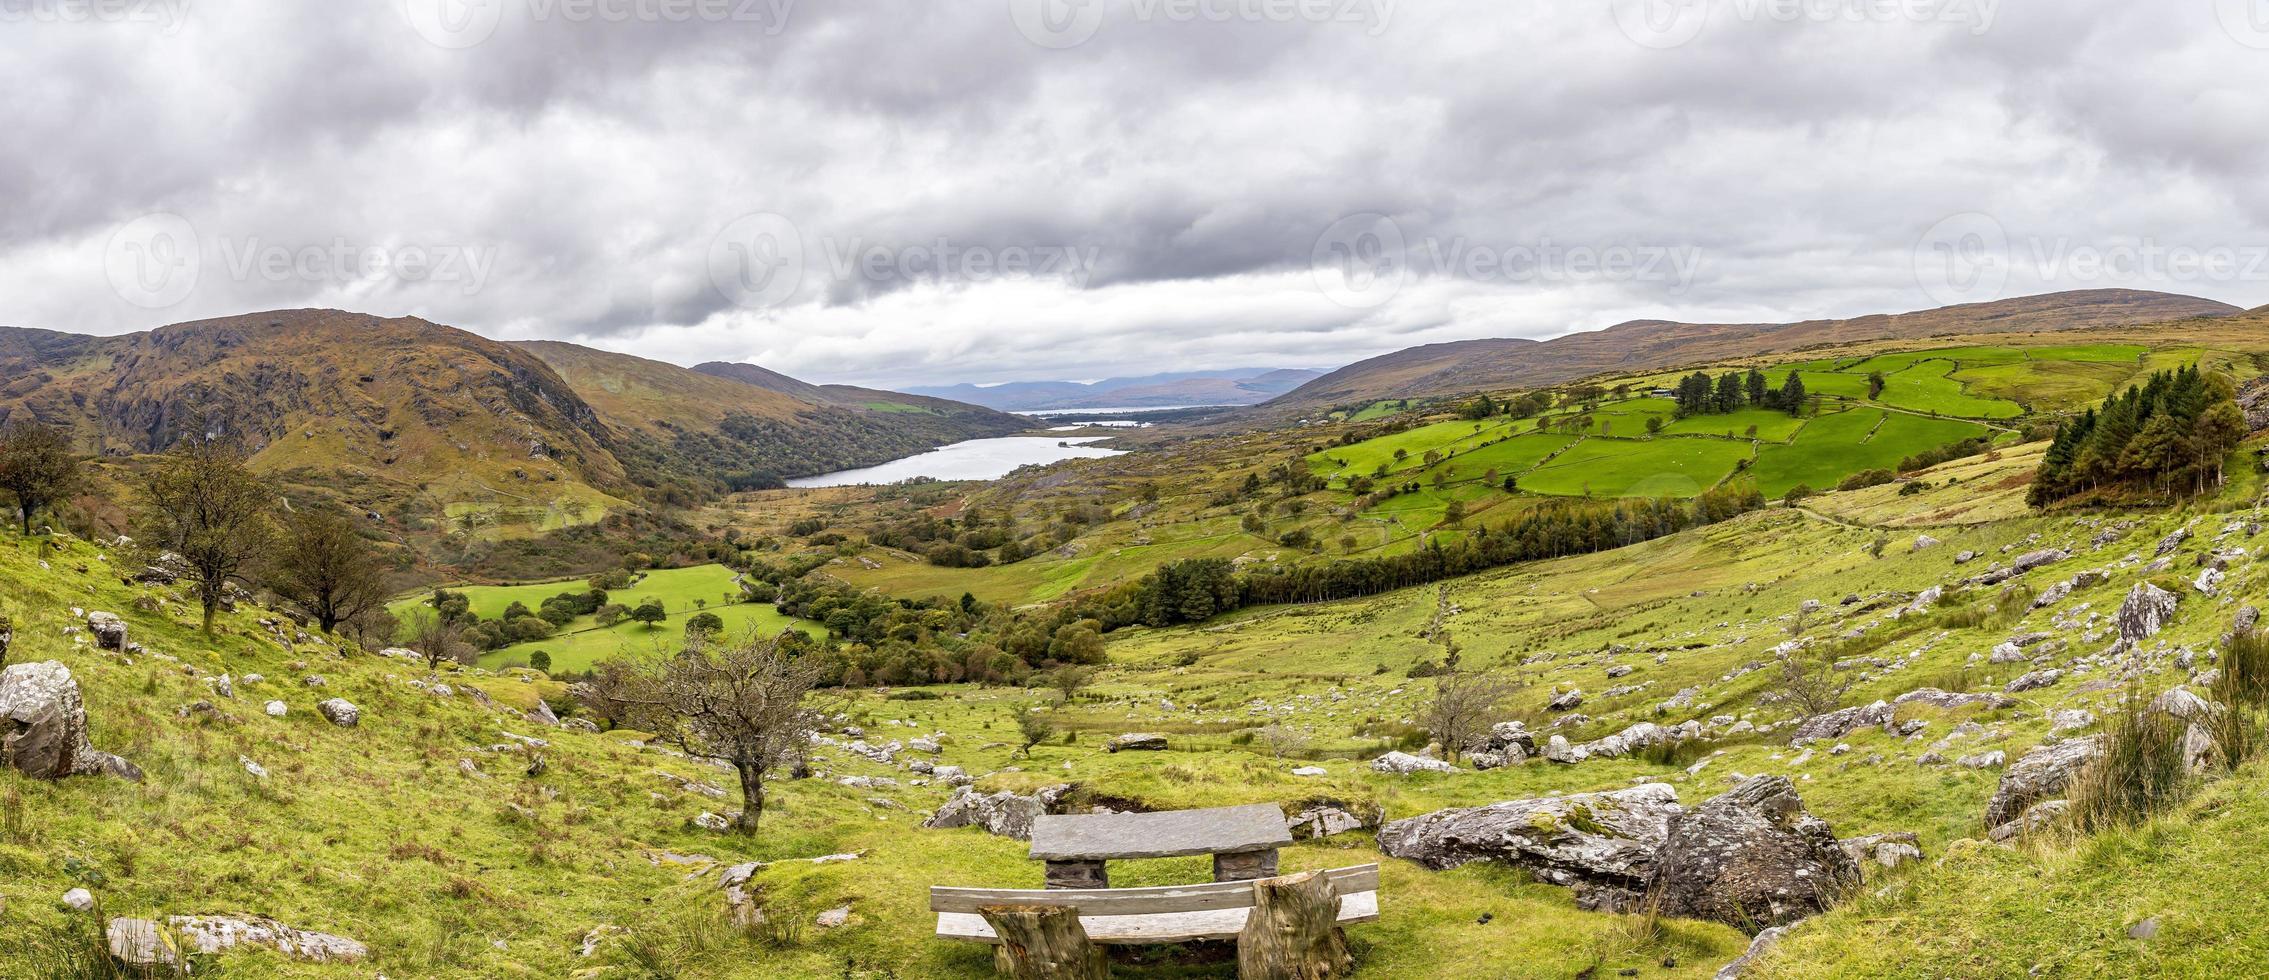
(1042, 942)
(1293, 932)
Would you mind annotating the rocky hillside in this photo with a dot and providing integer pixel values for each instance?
(1642, 345)
(438, 430)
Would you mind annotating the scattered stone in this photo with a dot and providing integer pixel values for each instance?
(2034, 680)
(2146, 929)
(2035, 818)
(1924, 541)
(79, 900)
(1330, 819)
(1568, 700)
(1601, 844)
(1311, 771)
(2071, 720)
(1134, 742)
(43, 726)
(257, 770)
(1758, 947)
(277, 709)
(109, 631)
(1888, 850)
(1751, 856)
(1983, 760)
(340, 712)
(834, 918)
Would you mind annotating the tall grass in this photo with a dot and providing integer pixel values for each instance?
(2242, 689)
(2141, 772)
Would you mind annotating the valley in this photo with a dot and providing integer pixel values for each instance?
(1669, 587)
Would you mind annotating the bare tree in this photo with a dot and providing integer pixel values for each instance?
(328, 568)
(438, 640)
(207, 506)
(742, 703)
(36, 466)
(1808, 680)
(1282, 739)
(1465, 704)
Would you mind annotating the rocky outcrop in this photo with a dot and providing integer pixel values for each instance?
(1328, 818)
(139, 942)
(2147, 610)
(1002, 814)
(2041, 774)
(1948, 701)
(1601, 844)
(340, 712)
(1751, 857)
(1841, 722)
(43, 726)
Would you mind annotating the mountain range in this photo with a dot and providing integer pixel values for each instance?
(1249, 386)
(1474, 365)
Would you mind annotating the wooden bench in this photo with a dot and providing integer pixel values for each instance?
(1140, 916)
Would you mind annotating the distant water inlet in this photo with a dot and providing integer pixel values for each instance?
(977, 459)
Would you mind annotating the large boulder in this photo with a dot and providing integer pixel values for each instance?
(1751, 857)
(1403, 764)
(1131, 742)
(2041, 774)
(340, 712)
(1601, 844)
(1002, 814)
(43, 726)
(2147, 610)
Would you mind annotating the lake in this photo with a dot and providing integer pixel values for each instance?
(977, 459)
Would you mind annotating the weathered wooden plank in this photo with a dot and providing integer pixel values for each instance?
(1169, 927)
(1172, 833)
(1138, 901)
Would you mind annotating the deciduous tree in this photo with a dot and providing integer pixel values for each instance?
(205, 505)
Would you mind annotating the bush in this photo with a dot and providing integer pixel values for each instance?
(1866, 478)
(1795, 493)
(540, 660)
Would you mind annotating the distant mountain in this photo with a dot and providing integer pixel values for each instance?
(442, 431)
(1643, 345)
(1249, 386)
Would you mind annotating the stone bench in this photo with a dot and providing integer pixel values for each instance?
(1242, 839)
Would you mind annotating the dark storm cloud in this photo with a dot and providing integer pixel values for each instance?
(903, 191)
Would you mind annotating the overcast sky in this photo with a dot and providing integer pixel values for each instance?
(904, 192)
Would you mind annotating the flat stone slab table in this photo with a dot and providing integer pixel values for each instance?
(1242, 839)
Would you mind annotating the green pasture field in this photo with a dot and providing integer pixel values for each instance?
(1926, 387)
(1511, 457)
(1772, 425)
(1668, 467)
